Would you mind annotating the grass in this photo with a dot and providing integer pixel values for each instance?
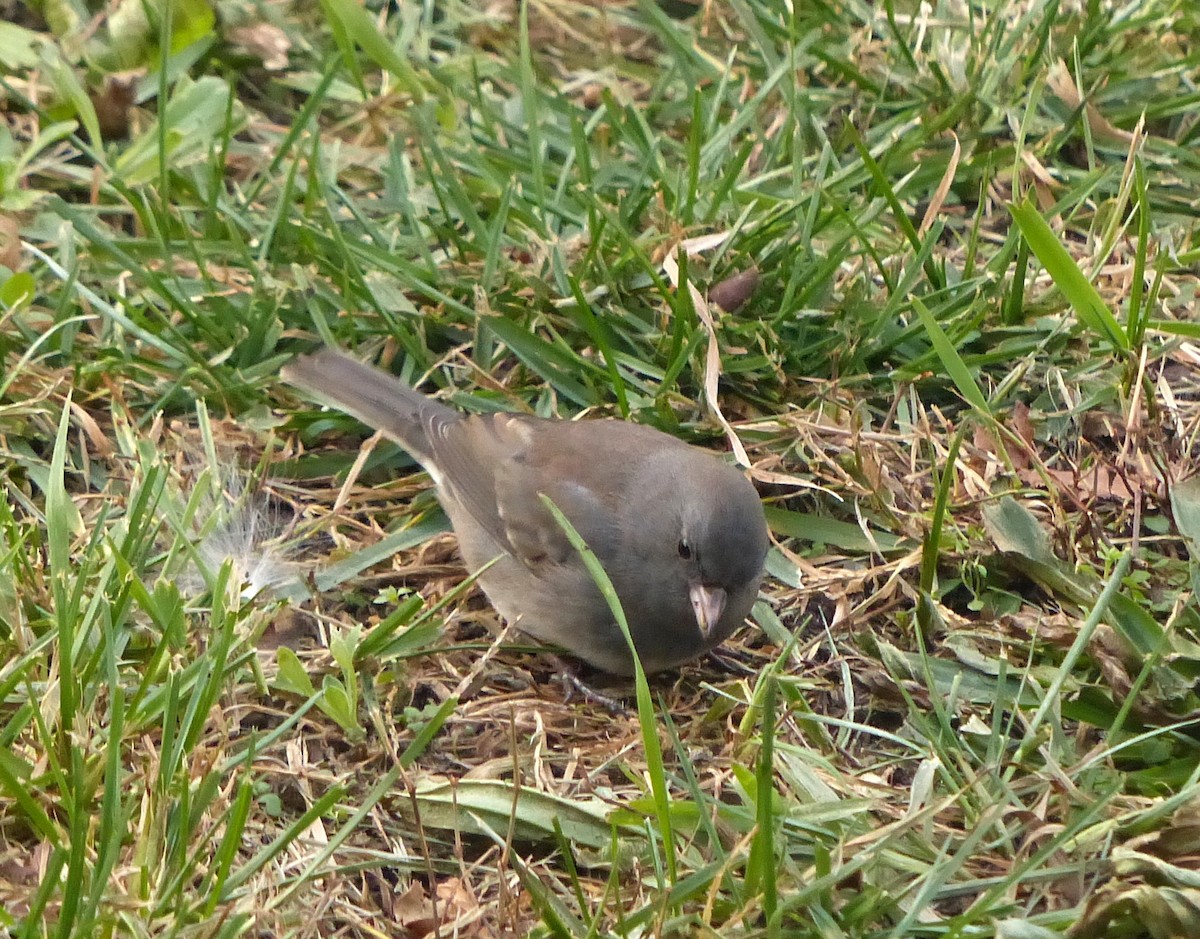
(246, 689)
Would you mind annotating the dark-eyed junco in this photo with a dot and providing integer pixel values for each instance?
(680, 533)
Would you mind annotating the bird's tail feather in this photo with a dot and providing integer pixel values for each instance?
(375, 397)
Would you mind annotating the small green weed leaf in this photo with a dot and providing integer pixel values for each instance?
(193, 20)
(342, 646)
(1185, 504)
(339, 704)
(291, 676)
(426, 729)
(1185, 507)
(1016, 530)
(134, 31)
(1026, 546)
(18, 47)
(15, 163)
(1140, 629)
(17, 290)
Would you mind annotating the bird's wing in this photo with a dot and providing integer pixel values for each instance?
(497, 466)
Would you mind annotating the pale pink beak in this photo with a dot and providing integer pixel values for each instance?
(708, 603)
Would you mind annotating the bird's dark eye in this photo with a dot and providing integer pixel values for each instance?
(685, 550)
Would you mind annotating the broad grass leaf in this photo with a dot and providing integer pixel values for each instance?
(195, 120)
(475, 806)
(1084, 298)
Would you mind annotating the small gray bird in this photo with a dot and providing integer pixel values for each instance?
(680, 533)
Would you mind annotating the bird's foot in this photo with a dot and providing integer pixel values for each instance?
(730, 665)
(574, 685)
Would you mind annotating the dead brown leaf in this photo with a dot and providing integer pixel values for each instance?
(263, 41)
(10, 243)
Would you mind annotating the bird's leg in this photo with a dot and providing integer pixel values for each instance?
(573, 684)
